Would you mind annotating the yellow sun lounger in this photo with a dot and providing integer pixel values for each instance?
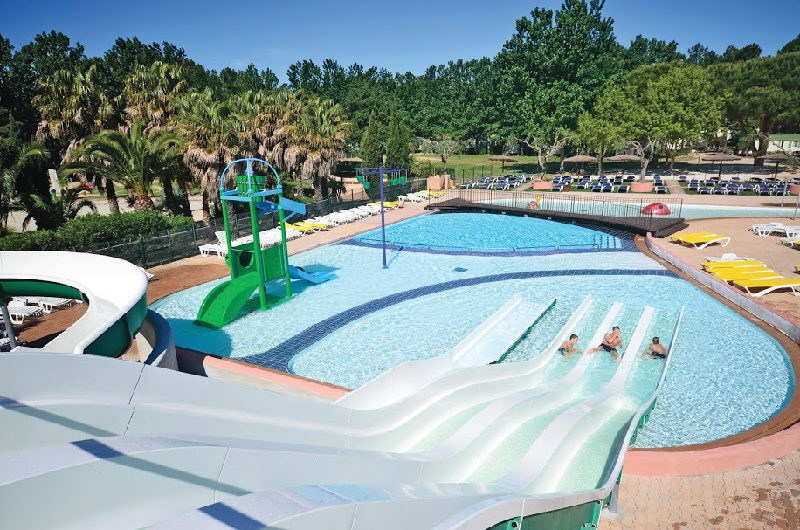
(726, 265)
(754, 275)
(431, 193)
(680, 237)
(315, 226)
(767, 286)
(300, 228)
(703, 241)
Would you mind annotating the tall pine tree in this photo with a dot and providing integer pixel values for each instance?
(397, 144)
(372, 143)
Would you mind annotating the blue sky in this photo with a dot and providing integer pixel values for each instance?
(401, 36)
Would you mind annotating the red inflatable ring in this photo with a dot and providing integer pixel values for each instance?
(656, 208)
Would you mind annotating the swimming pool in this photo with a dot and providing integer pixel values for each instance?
(428, 302)
(457, 232)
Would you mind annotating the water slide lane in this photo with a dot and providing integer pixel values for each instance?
(115, 291)
(224, 302)
(204, 419)
(406, 379)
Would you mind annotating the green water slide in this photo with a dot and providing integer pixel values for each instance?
(225, 301)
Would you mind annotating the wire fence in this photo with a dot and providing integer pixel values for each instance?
(168, 246)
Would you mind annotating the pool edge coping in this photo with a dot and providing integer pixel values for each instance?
(775, 438)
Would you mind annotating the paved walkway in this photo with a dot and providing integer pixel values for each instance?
(765, 496)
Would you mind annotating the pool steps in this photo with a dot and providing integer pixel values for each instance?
(486, 344)
(203, 405)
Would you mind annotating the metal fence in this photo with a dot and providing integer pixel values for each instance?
(625, 206)
(147, 251)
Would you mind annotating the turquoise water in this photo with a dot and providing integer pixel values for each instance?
(481, 233)
(725, 376)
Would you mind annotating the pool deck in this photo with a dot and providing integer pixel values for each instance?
(746, 486)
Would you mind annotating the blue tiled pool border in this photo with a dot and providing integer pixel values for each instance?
(280, 356)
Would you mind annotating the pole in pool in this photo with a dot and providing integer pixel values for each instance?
(383, 223)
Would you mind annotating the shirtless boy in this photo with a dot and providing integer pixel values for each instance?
(568, 349)
(611, 341)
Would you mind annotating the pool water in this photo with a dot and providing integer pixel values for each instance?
(725, 376)
(472, 232)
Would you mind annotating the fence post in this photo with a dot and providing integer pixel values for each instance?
(143, 251)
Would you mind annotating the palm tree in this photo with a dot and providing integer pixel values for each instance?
(151, 93)
(52, 212)
(317, 133)
(72, 105)
(135, 160)
(213, 137)
(8, 179)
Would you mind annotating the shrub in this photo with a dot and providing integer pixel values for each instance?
(86, 232)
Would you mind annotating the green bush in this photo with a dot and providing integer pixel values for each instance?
(86, 232)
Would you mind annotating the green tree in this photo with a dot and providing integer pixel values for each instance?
(600, 131)
(46, 55)
(554, 68)
(151, 93)
(372, 143)
(398, 143)
(645, 52)
(733, 54)
(662, 107)
(791, 46)
(52, 211)
(135, 160)
(701, 55)
(13, 164)
(213, 136)
(761, 95)
(316, 133)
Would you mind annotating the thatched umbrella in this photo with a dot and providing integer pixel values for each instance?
(624, 158)
(502, 159)
(777, 157)
(720, 157)
(581, 159)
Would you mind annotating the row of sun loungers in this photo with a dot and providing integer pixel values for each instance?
(752, 276)
(497, 183)
(712, 187)
(31, 308)
(294, 230)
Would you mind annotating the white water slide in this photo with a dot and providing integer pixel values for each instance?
(90, 442)
(114, 290)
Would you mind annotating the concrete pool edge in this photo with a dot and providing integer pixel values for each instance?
(775, 438)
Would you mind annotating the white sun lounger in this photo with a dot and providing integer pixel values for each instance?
(48, 303)
(18, 311)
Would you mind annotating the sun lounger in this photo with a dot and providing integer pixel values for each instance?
(758, 288)
(728, 256)
(48, 303)
(727, 265)
(301, 229)
(691, 234)
(702, 241)
(778, 228)
(760, 274)
(431, 193)
(19, 311)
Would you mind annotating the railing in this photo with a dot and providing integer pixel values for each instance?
(625, 206)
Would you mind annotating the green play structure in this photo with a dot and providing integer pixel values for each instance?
(253, 267)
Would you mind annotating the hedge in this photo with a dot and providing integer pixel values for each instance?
(86, 232)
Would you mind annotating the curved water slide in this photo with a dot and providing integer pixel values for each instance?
(257, 431)
(115, 291)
